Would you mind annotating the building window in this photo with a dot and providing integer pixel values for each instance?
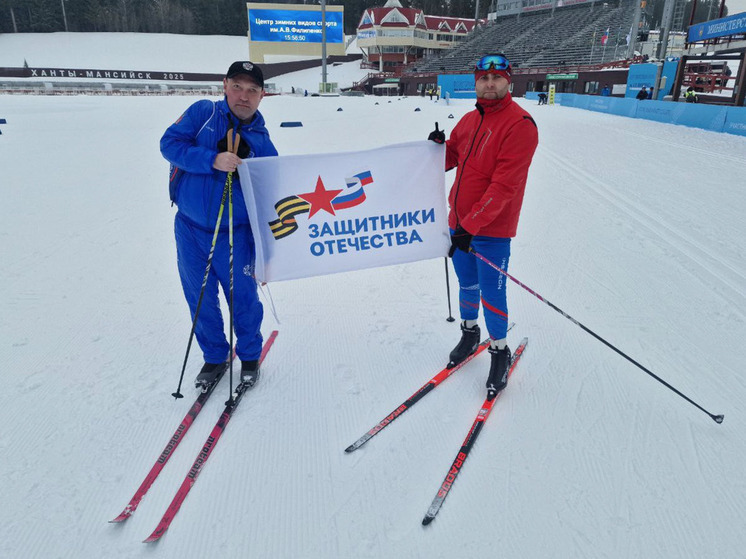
(591, 88)
(394, 16)
(395, 32)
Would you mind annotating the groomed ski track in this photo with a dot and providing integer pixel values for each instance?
(635, 228)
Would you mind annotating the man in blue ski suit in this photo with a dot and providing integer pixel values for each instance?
(196, 147)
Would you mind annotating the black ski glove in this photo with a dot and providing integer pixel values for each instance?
(460, 239)
(437, 136)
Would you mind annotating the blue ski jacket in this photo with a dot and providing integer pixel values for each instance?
(191, 145)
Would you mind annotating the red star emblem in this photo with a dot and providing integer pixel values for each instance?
(320, 199)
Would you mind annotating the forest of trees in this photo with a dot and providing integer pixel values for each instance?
(218, 17)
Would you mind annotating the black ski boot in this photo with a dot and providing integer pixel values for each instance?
(249, 373)
(468, 345)
(498, 378)
(210, 374)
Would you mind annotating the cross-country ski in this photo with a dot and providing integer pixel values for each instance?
(206, 451)
(173, 443)
(471, 437)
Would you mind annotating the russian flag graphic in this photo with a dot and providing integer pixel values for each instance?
(357, 196)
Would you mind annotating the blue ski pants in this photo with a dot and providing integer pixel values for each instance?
(192, 250)
(480, 282)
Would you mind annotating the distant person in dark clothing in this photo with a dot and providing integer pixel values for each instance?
(606, 92)
(643, 93)
(542, 98)
(650, 92)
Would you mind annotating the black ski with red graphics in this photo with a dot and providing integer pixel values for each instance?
(468, 443)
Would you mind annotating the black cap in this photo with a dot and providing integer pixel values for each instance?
(248, 69)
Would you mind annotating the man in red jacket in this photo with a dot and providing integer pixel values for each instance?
(492, 148)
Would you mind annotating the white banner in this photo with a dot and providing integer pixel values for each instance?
(321, 214)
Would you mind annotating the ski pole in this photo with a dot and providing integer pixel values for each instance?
(448, 292)
(715, 418)
(233, 148)
(178, 393)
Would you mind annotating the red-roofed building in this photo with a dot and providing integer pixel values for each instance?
(393, 36)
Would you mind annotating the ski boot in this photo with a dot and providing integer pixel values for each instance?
(210, 374)
(249, 373)
(468, 345)
(499, 368)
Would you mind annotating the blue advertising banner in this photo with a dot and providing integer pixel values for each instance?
(294, 26)
(717, 28)
(644, 75)
(716, 118)
(459, 86)
(577, 101)
(660, 111)
(640, 75)
(708, 117)
(735, 121)
(599, 104)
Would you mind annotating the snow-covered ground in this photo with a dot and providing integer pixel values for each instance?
(633, 227)
(344, 74)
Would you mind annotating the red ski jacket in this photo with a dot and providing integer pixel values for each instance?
(492, 147)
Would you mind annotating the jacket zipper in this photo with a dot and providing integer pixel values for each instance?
(462, 167)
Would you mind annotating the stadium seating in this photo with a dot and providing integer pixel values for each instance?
(570, 35)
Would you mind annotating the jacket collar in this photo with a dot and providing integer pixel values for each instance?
(488, 106)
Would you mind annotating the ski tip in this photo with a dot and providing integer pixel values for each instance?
(119, 519)
(152, 538)
(718, 418)
(354, 446)
(427, 520)
(156, 535)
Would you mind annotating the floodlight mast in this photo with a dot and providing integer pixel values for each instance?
(323, 46)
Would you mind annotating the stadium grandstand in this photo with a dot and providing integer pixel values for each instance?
(589, 33)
